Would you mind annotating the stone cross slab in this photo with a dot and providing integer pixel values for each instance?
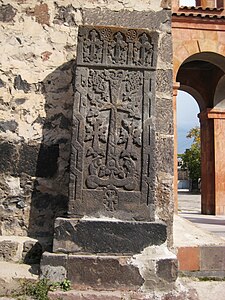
(113, 137)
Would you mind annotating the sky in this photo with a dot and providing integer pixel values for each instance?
(187, 2)
(187, 111)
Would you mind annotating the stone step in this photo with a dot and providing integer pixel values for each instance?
(155, 266)
(13, 275)
(185, 293)
(20, 249)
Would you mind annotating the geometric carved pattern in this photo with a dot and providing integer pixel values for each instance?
(116, 47)
(111, 144)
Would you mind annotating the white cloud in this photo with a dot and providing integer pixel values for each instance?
(187, 118)
(187, 2)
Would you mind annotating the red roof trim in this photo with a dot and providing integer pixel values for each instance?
(200, 8)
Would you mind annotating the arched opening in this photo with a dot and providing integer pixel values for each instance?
(202, 75)
(189, 173)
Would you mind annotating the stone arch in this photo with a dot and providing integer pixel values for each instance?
(203, 76)
(195, 94)
(200, 75)
(219, 98)
(198, 50)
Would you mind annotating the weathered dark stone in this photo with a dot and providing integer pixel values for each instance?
(166, 51)
(28, 156)
(20, 84)
(165, 151)
(39, 120)
(38, 160)
(8, 125)
(98, 272)
(32, 252)
(160, 20)
(164, 81)
(74, 235)
(2, 83)
(47, 163)
(103, 272)
(55, 260)
(65, 15)
(42, 201)
(45, 208)
(64, 123)
(167, 269)
(9, 157)
(164, 115)
(53, 267)
(7, 13)
(57, 120)
(20, 101)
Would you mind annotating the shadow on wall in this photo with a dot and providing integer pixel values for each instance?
(50, 191)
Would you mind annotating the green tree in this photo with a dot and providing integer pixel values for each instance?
(192, 157)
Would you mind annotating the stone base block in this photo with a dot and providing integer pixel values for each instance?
(103, 236)
(20, 249)
(92, 271)
(153, 268)
(187, 294)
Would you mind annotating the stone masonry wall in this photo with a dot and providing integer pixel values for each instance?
(37, 55)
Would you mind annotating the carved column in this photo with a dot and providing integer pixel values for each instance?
(213, 161)
(176, 86)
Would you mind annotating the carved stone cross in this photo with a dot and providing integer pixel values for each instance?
(111, 167)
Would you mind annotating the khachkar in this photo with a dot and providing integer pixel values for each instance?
(111, 202)
(112, 144)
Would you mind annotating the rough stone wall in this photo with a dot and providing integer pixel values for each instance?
(37, 55)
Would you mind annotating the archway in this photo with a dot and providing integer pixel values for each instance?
(203, 76)
(188, 149)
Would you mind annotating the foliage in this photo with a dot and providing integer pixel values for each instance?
(192, 157)
(39, 290)
(64, 285)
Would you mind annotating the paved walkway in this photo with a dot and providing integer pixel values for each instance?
(189, 207)
(200, 241)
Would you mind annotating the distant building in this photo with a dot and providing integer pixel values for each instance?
(183, 178)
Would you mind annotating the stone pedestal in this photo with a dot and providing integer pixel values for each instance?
(153, 269)
(110, 255)
(111, 236)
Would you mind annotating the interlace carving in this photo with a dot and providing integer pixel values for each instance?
(111, 160)
(113, 125)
